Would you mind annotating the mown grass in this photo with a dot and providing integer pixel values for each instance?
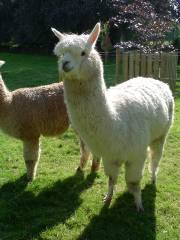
(60, 204)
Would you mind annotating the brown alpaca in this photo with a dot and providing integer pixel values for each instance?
(28, 113)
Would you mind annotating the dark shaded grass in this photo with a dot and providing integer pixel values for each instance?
(27, 215)
(122, 222)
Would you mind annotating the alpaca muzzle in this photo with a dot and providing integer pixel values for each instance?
(66, 66)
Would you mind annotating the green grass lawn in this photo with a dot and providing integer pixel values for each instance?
(60, 204)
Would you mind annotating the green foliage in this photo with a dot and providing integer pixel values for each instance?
(6, 20)
(30, 20)
(60, 204)
(148, 21)
(25, 24)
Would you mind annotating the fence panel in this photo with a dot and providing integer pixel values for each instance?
(159, 66)
(131, 65)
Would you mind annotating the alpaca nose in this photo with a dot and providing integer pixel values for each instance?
(66, 66)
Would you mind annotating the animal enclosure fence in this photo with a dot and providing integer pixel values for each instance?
(160, 66)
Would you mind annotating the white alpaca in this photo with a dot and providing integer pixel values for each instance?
(119, 124)
(28, 113)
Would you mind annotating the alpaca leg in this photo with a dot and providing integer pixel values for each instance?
(111, 170)
(85, 153)
(31, 157)
(133, 175)
(95, 164)
(111, 183)
(156, 150)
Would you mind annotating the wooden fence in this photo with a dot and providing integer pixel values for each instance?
(157, 65)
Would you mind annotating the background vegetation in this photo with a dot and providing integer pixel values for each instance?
(25, 24)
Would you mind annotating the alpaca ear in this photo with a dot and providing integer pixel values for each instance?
(94, 36)
(57, 34)
(2, 63)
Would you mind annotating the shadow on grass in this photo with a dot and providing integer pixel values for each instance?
(24, 216)
(122, 222)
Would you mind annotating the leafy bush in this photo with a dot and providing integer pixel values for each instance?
(26, 23)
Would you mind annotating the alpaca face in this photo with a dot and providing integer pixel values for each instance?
(70, 54)
(2, 63)
(76, 54)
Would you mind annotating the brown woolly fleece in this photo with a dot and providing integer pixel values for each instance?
(28, 113)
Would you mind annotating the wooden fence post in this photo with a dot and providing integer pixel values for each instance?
(143, 65)
(175, 62)
(125, 66)
(156, 66)
(164, 68)
(131, 64)
(149, 65)
(172, 65)
(137, 64)
(117, 65)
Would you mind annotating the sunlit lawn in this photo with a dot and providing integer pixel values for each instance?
(60, 204)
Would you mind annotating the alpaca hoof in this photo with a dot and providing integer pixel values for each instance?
(139, 208)
(94, 168)
(153, 180)
(95, 164)
(30, 178)
(79, 170)
(107, 200)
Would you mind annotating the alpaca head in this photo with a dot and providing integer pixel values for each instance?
(1, 63)
(77, 56)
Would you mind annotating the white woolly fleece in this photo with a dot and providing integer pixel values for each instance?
(120, 123)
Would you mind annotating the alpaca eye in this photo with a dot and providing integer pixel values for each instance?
(83, 53)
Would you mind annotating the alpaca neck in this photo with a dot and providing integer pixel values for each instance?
(87, 91)
(87, 98)
(89, 111)
(4, 93)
